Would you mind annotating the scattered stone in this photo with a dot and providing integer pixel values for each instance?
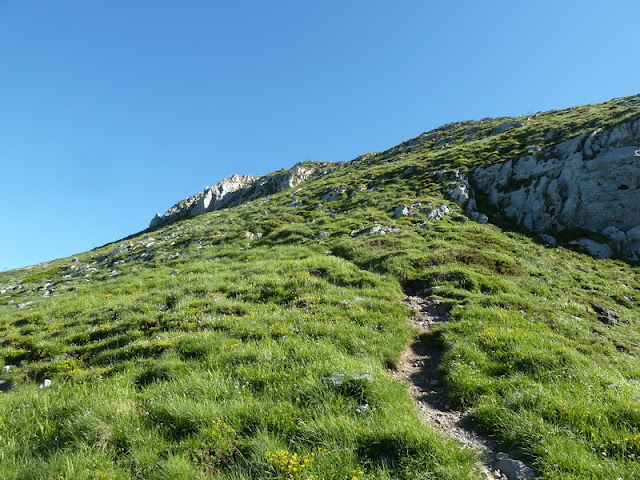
(6, 368)
(438, 213)
(22, 305)
(378, 230)
(5, 385)
(46, 383)
(340, 378)
(460, 193)
(548, 239)
(606, 314)
(513, 469)
(598, 250)
(480, 217)
(171, 257)
(401, 211)
(334, 195)
(503, 127)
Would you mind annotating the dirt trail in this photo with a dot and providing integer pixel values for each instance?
(418, 367)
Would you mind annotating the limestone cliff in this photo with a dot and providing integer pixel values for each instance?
(591, 181)
(239, 189)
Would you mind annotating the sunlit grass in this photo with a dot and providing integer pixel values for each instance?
(200, 351)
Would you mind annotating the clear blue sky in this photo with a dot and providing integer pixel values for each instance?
(113, 110)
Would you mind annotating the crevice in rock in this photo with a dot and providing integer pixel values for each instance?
(418, 367)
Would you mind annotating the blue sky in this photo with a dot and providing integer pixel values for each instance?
(112, 111)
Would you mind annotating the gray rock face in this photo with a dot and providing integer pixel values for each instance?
(239, 189)
(591, 181)
(548, 239)
(179, 210)
(219, 195)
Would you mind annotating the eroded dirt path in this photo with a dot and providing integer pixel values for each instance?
(418, 368)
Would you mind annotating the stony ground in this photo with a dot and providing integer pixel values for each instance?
(418, 367)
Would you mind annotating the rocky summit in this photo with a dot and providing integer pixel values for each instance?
(239, 189)
(543, 176)
(462, 306)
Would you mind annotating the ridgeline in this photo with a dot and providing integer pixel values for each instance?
(461, 306)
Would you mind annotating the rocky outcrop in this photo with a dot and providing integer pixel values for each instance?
(222, 194)
(591, 181)
(178, 211)
(239, 189)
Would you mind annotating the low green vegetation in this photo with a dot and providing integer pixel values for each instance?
(257, 342)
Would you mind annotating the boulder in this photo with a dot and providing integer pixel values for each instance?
(401, 211)
(157, 220)
(548, 239)
(513, 469)
(598, 250)
(460, 193)
(438, 213)
(607, 315)
(480, 217)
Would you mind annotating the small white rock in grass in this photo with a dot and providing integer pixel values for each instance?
(402, 211)
(6, 368)
(46, 383)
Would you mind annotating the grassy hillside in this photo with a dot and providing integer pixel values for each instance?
(257, 342)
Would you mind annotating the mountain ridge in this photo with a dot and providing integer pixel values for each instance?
(531, 172)
(327, 330)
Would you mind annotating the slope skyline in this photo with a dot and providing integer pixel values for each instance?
(365, 324)
(113, 113)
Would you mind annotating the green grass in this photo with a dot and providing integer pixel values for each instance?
(199, 351)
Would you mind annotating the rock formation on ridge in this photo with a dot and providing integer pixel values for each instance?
(591, 181)
(573, 168)
(239, 189)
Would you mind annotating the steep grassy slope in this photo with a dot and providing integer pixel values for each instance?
(256, 342)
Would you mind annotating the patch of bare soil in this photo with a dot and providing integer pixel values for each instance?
(418, 368)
